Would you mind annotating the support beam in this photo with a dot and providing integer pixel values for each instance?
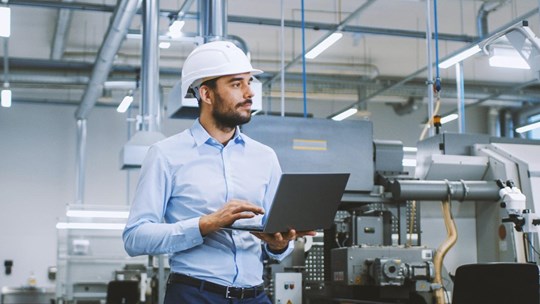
(254, 21)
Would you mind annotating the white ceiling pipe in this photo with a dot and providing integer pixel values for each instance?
(213, 19)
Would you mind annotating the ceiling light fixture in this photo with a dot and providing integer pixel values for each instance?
(507, 57)
(126, 102)
(175, 29)
(347, 113)
(97, 214)
(529, 127)
(321, 47)
(449, 118)
(164, 45)
(5, 21)
(91, 226)
(460, 57)
(6, 97)
(410, 149)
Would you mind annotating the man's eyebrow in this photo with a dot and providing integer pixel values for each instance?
(238, 79)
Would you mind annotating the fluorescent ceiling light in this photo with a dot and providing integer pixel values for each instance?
(528, 128)
(504, 57)
(5, 21)
(459, 57)
(175, 29)
(326, 43)
(91, 226)
(410, 149)
(97, 214)
(448, 118)
(124, 105)
(341, 116)
(6, 98)
(164, 45)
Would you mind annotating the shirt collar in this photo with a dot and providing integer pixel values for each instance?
(201, 136)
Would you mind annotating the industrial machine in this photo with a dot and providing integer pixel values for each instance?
(376, 252)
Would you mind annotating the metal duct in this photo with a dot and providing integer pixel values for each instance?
(116, 33)
(212, 19)
(81, 160)
(506, 123)
(412, 104)
(150, 98)
(212, 27)
(494, 127)
(483, 12)
(62, 24)
(442, 190)
(240, 43)
(134, 151)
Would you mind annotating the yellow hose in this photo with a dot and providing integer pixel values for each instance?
(451, 238)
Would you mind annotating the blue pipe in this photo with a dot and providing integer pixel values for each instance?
(438, 76)
(304, 84)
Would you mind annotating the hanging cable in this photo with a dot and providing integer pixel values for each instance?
(437, 86)
(304, 85)
(451, 238)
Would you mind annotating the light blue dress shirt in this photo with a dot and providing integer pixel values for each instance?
(190, 175)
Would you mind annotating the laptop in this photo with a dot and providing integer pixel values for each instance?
(303, 201)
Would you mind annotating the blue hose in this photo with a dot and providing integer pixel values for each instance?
(304, 84)
(438, 76)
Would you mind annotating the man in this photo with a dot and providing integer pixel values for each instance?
(203, 179)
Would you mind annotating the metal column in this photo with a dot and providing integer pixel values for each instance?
(81, 160)
(150, 97)
(460, 96)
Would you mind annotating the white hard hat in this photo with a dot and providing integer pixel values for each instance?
(214, 59)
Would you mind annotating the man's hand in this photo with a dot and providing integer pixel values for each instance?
(278, 242)
(228, 214)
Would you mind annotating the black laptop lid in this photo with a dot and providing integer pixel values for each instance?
(305, 201)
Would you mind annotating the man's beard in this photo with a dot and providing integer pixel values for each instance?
(229, 118)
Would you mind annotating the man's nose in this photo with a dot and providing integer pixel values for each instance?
(248, 92)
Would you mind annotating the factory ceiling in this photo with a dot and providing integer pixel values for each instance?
(381, 57)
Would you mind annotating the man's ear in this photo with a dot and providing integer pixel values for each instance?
(206, 94)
